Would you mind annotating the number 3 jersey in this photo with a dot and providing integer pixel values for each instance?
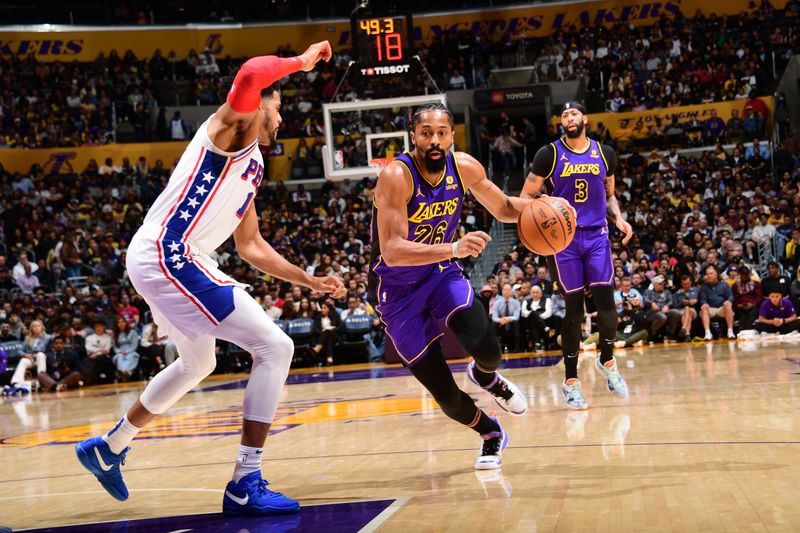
(434, 214)
(578, 176)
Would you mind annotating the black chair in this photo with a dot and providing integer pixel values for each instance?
(301, 331)
(354, 346)
(13, 351)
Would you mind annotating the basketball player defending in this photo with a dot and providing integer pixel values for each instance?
(582, 171)
(418, 281)
(208, 198)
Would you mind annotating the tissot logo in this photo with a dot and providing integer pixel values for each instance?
(41, 47)
(393, 69)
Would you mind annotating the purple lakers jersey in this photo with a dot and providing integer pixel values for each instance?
(581, 179)
(434, 213)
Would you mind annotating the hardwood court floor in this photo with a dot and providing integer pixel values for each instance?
(708, 441)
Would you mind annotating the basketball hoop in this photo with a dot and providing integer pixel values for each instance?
(380, 162)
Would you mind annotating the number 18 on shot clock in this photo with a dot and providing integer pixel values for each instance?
(383, 44)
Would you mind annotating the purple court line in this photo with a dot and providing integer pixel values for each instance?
(439, 450)
(327, 376)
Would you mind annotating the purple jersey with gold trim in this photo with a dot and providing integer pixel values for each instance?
(581, 179)
(434, 214)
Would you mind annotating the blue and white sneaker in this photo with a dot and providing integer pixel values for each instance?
(614, 381)
(251, 497)
(490, 456)
(574, 395)
(95, 455)
(507, 395)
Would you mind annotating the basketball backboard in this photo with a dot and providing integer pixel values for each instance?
(362, 137)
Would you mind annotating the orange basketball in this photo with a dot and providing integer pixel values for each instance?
(547, 225)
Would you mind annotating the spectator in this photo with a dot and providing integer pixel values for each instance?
(5, 333)
(777, 315)
(128, 312)
(794, 290)
(535, 312)
(504, 145)
(716, 300)
(98, 366)
(62, 369)
(273, 311)
(775, 281)
(327, 324)
(126, 342)
(33, 349)
(28, 283)
(23, 266)
(735, 127)
(746, 299)
(631, 328)
(178, 128)
(656, 305)
(505, 315)
(156, 351)
(683, 308)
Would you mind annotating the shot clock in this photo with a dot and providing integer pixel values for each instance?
(383, 45)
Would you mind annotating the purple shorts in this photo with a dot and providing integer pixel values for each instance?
(412, 312)
(586, 262)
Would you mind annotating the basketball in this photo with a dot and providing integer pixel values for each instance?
(547, 225)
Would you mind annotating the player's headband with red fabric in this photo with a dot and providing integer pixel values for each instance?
(573, 104)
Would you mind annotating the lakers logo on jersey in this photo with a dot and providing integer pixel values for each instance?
(436, 209)
(580, 168)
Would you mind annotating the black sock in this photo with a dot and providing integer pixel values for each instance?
(571, 365)
(485, 424)
(483, 378)
(606, 350)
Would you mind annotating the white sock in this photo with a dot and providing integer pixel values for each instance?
(708, 332)
(248, 460)
(121, 435)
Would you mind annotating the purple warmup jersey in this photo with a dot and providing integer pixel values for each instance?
(580, 178)
(434, 213)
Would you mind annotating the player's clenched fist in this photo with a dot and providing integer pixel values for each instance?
(330, 285)
(471, 244)
(314, 53)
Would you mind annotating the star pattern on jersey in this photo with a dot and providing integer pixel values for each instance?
(201, 189)
(174, 247)
(178, 266)
(175, 258)
(185, 215)
(208, 177)
(193, 202)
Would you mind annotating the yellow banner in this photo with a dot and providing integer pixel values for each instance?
(636, 125)
(251, 40)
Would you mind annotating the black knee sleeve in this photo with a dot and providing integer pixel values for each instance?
(571, 325)
(477, 335)
(606, 311)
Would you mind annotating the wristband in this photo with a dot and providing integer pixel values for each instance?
(455, 247)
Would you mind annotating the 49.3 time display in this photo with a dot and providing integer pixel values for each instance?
(383, 45)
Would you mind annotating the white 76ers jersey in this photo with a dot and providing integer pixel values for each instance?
(209, 192)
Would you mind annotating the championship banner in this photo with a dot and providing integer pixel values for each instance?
(636, 125)
(85, 43)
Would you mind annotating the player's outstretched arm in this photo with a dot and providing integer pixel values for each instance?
(391, 198)
(234, 126)
(502, 207)
(255, 250)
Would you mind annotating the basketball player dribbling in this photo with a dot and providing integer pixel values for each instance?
(582, 171)
(208, 198)
(417, 280)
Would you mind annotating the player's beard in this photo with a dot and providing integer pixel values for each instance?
(270, 133)
(435, 165)
(578, 131)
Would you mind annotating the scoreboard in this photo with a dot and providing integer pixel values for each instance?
(383, 45)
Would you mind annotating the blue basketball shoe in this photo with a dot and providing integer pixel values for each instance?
(615, 383)
(95, 455)
(251, 497)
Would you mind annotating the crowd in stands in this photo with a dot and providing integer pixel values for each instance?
(672, 62)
